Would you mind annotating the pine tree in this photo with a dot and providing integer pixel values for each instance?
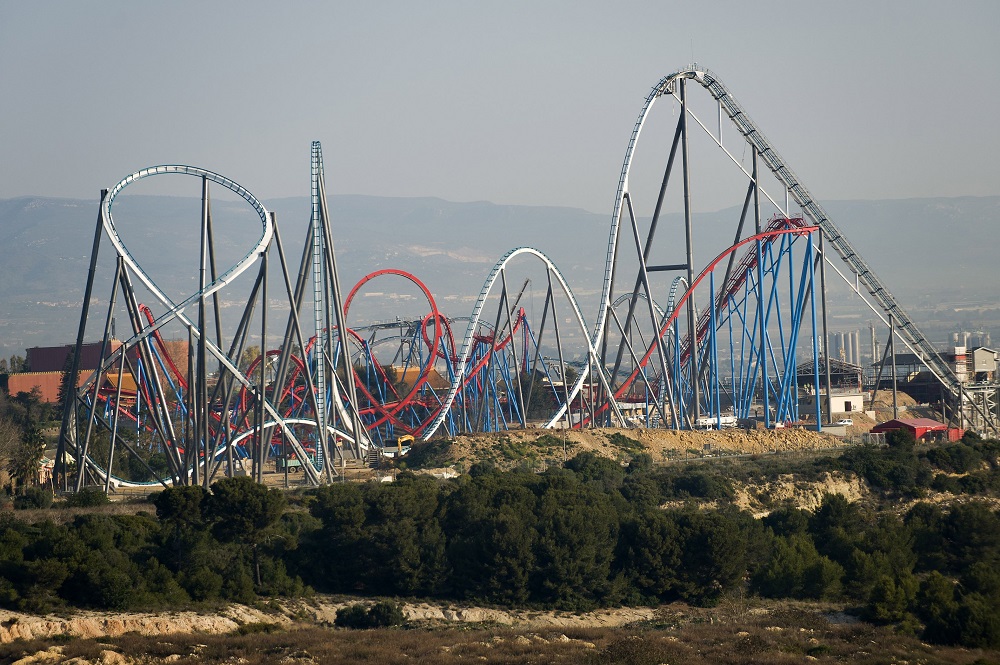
(23, 463)
(17, 364)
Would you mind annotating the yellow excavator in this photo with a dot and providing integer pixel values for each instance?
(404, 440)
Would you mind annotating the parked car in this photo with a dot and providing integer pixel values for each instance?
(845, 421)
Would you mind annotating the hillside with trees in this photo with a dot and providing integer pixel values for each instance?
(590, 534)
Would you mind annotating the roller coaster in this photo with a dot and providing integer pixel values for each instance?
(326, 395)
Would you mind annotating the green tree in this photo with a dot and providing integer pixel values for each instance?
(601, 471)
(836, 527)
(31, 402)
(181, 511)
(25, 457)
(796, 570)
(787, 520)
(10, 439)
(250, 354)
(17, 364)
(490, 523)
(716, 552)
(649, 554)
(385, 613)
(334, 547)
(890, 598)
(978, 620)
(937, 608)
(578, 527)
(971, 532)
(244, 513)
(403, 536)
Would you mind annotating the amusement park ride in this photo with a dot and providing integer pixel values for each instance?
(721, 344)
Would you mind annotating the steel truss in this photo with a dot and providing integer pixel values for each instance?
(216, 417)
(612, 331)
(725, 347)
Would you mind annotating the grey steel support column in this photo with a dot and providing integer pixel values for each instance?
(762, 354)
(688, 233)
(357, 428)
(881, 366)
(227, 385)
(961, 406)
(635, 360)
(826, 334)
(82, 455)
(607, 324)
(762, 357)
(294, 326)
(67, 431)
(158, 409)
(501, 306)
(738, 236)
(190, 429)
(215, 295)
(201, 401)
(892, 342)
(258, 392)
(119, 266)
(661, 349)
(114, 426)
(644, 254)
(756, 195)
(226, 434)
(264, 433)
(562, 361)
(513, 350)
(538, 350)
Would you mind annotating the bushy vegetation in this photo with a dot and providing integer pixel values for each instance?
(592, 533)
(971, 466)
(382, 614)
(200, 547)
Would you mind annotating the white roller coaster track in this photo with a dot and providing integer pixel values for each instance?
(474, 323)
(118, 483)
(906, 329)
(177, 310)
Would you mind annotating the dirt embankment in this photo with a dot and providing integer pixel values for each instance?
(546, 447)
(759, 499)
(319, 610)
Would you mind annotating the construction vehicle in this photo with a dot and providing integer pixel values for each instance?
(403, 443)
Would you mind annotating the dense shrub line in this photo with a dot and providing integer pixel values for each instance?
(199, 547)
(590, 534)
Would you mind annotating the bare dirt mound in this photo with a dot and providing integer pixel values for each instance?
(544, 447)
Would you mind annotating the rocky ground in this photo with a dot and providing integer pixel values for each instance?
(739, 630)
(321, 610)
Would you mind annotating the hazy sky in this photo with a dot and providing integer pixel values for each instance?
(512, 102)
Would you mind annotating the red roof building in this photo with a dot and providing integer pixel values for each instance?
(922, 429)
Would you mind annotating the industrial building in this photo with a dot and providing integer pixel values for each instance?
(47, 363)
(846, 394)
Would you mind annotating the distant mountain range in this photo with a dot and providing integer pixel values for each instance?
(932, 253)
